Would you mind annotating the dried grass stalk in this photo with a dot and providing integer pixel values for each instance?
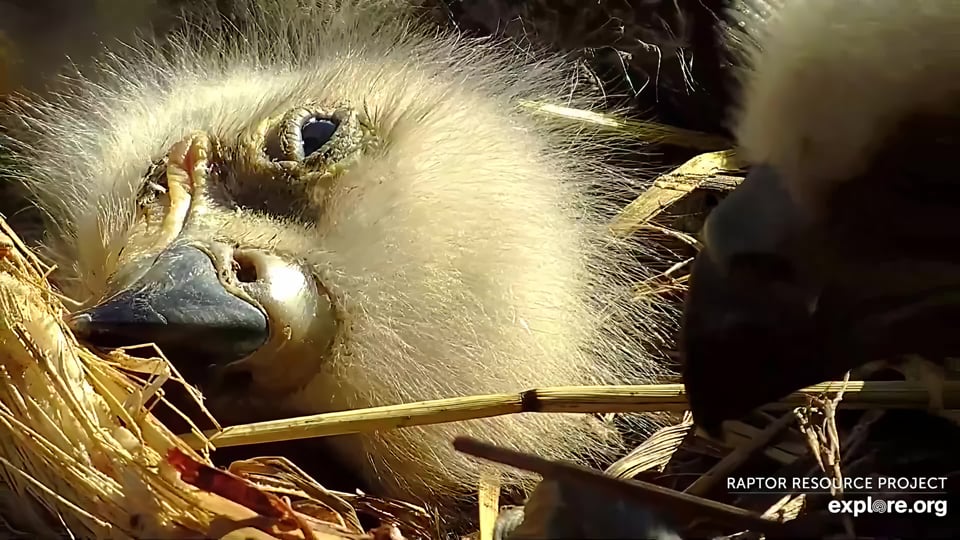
(78, 442)
(569, 399)
(80, 452)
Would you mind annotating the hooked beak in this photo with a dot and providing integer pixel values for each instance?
(779, 300)
(749, 310)
(179, 304)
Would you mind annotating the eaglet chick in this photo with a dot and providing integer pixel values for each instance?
(834, 252)
(334, 207)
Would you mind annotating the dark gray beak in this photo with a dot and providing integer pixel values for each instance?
(779, 300)
(750, 305)
(179, 304)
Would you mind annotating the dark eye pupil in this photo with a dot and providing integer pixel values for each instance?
(315, 133)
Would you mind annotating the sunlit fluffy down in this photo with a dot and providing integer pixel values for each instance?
(828, 82)
(468, 247)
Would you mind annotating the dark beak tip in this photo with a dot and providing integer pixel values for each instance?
(79, 323)
(711, 430)
(706, 418)
(197, 316)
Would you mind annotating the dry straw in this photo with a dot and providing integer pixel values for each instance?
(78, 438)
(80, 453)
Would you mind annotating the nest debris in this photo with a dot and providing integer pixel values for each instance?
(84, 456)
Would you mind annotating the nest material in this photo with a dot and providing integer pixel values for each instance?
(83, 455)
(78, 436)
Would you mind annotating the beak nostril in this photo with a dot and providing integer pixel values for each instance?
(244, 268)
(180, 304)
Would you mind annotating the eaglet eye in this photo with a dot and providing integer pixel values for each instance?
(315, 132)
(312, 138)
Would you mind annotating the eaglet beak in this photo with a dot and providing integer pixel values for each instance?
(748, 310)
(179, 304)
(779, 300)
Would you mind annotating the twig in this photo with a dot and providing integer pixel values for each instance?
(825, 444)
(670, 188)
(655, 452)
(576, 399)
(642, 131)
(739, 456)
(674, 502)
(489, 503)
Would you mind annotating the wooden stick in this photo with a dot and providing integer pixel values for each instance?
(675, 503)
(577, 399)
(701, 486)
